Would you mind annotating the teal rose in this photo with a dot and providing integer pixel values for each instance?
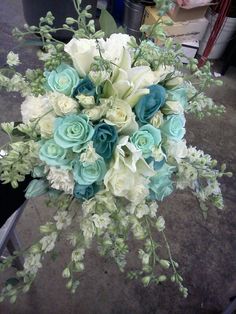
(161, 185)
(173, 127)
(53, 154)
(146, 138)
(149, 104)
(104, 140)
(85, 191)
(73, 131)
(85, 87)
(87, 173)
(62, 80)
(178, 94)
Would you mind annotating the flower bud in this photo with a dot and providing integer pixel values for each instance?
(160, 224)
(164, 263)
(162, 278)
(66, 273)
(36, 248)
(146, 280)
(36, 188)
(70, 20)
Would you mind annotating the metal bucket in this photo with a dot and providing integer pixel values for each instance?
(133, 17)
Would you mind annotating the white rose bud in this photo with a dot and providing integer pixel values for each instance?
(160, 224)
(95, 113)
(63, 104)
(157, 119)
(87, 102)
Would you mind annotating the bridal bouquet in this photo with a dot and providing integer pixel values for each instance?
(102, 135)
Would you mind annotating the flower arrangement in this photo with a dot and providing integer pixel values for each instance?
(102, 135)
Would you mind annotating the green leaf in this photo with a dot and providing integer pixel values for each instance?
(107, 23)
(121, 30)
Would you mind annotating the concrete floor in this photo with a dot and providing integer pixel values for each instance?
(206, 250)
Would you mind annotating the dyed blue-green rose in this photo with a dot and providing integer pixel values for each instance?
(85, 87)
(85, 191)
(73, 131)
(156, 165)
(146, 138)
(53, 154)
(178, 94)
(36, 188)
(86, 173)
(161, 185)
(63, 80)
(173, 127)
(149, 104)
(104, 140)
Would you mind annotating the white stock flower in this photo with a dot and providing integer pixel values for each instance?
(61, 180)
(46, 124)
(48, 242)
(88, 229)
(62, 104)
(82, 52)
(78, 255)
(32, 263)
(63, 219)
(34, 107)
(101, 221)
(12, 59)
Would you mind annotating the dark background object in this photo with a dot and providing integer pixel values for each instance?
(34, 9)
(229, 56)
(133, 17)
(11, 199)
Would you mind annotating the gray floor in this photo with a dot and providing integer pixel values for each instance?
(206, 250)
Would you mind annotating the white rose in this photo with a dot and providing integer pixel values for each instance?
(62, 104)
(46, 124)
(34, 107)
(113, 47)
(82, 52)
(121, 115)
(61, 180)
(177, 150)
